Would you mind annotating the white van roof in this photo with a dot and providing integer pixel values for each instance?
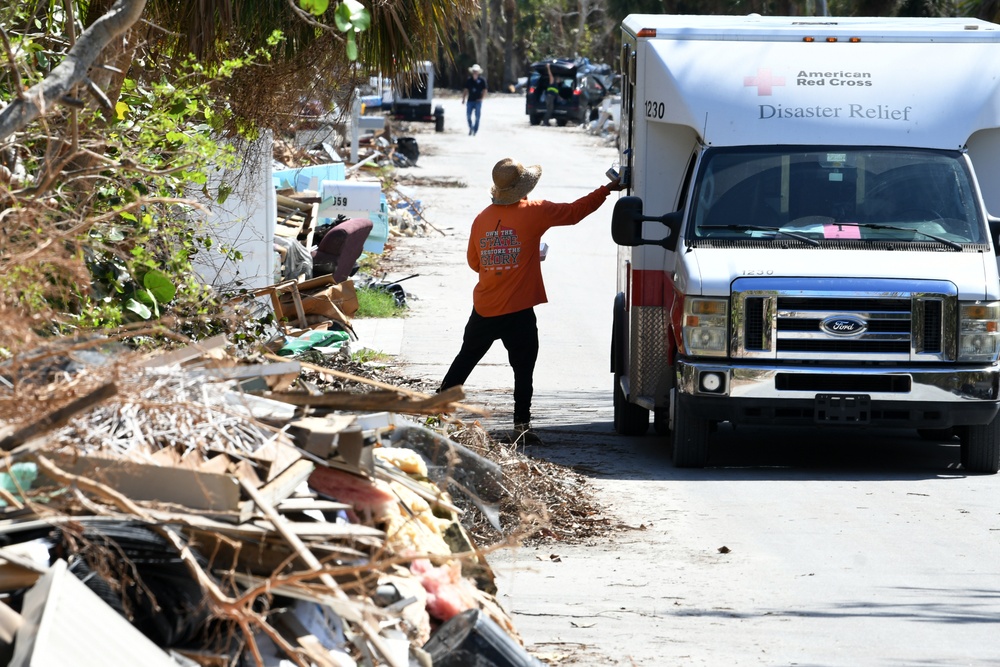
(794, 28)
(752, 80)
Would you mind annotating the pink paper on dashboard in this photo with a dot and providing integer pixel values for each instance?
(841, 232)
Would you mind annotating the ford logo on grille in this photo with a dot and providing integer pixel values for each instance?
(844, 325)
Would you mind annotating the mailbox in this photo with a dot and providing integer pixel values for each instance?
(357, 199)
(354, 199)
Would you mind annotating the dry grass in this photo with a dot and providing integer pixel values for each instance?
(541, 502)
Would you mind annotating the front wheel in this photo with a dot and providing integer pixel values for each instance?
(690, 439)
(981, 447)
(536, 119)
(630, 419)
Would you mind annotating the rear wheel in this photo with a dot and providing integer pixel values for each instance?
(981, 447)
(561, 122)
(690, 439)
(536, 119)
(630, 419)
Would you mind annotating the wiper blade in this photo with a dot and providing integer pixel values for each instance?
(955, 245)
(763, 228)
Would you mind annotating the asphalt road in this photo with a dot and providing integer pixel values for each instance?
(868, 548)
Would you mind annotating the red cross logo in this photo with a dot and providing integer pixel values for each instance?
(764, 81)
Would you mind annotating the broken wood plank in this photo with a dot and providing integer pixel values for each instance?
(189, 487)
(376, 401)
(58, 417)
(244, 371)
(188, 353)
(297, 204)
(370, 632)
(280, 487)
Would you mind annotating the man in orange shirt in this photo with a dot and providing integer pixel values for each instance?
(504, 250)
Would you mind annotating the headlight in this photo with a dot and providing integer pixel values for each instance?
(705, 327)
(978, 331)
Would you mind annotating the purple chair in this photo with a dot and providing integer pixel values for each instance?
(340, 248)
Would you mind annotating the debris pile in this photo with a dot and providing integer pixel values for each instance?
(187, 509)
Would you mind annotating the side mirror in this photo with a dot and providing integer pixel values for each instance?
(627, 219)
(994, 225)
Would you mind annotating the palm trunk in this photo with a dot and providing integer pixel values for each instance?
(509, 25)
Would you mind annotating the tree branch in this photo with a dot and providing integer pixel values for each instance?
(18, 87)
(73, 69)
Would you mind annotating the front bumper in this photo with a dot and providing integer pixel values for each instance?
(916, 397)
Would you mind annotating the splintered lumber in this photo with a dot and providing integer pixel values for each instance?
(280, 523)
(280, 487)
(376, 401)
(58, 417)
(381, 385)
(188, 353)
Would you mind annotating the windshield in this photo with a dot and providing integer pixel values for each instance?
(790, 192)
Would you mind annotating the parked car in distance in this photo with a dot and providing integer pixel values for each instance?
(413, 97)
(581, 87)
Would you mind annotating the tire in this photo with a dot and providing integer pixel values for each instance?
(981, 447)
(690, 439)
(630, 419)
(661, 421)
(535, 119)
(561, 122)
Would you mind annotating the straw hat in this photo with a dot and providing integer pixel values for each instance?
(512, 181)
(475, 68)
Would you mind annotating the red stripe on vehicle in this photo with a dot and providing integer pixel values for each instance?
(651, 288)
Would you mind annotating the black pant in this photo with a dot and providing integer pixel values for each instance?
(519, 334)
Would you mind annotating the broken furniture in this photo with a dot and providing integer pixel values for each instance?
(341, 247)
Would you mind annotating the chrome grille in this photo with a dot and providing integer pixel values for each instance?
(782, 318)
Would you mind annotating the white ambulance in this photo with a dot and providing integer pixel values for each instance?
(805, 239)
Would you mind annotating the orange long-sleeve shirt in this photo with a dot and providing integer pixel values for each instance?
(503, 250)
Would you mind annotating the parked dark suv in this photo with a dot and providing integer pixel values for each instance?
(581, 87)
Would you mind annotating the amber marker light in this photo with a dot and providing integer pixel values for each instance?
(808, 39)
(706, 307)
(977, 312)
(646, 32)
(855, 40)
(831, 39)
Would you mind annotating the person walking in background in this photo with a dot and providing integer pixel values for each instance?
(551, 93)
(473, 94)
(504, 249)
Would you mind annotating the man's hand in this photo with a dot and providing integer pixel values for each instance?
(615, 185)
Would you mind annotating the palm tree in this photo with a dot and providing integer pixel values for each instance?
(402, 33)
